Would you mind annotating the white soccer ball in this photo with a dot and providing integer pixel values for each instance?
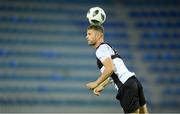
(96, 16)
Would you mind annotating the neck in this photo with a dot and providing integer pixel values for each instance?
(98, 43)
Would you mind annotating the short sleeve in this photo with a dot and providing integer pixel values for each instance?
(103, 52)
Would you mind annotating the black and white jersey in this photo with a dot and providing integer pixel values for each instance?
(121, 73)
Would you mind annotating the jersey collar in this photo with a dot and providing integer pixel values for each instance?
(100, 44)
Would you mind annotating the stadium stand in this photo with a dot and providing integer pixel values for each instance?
(45, 61)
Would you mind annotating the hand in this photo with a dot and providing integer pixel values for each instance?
(97, 91)
(91, 85)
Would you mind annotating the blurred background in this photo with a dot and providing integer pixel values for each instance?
(45, 61)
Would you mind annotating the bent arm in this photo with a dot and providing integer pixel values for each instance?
(108, 70)
(105, 83)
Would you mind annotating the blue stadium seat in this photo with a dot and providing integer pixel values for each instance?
(171, 92)
(170, 69)
(157, 25)
(159, 36)
(154, 14)
(148, 57)
(160, 57)
(167, 80)
(116, 35)
(169, 103)
(3, 52)
(116, 24)
(150, 3)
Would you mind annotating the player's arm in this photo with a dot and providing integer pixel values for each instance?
(97, 91)
(104, 56)
(106, 82)
(108, 70)
(103, 84)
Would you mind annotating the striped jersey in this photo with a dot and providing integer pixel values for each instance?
(120, 72)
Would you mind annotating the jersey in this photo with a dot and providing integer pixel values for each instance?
(120, 72)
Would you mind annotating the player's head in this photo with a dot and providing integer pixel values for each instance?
(98, 28)
(95, 34)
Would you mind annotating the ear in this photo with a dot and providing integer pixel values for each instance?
(99, 35)
(102, 35)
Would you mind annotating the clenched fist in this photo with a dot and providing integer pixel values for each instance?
(97, 91)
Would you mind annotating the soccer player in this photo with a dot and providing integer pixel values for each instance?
(130, 91)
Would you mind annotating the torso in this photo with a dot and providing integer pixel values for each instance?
(121, 74)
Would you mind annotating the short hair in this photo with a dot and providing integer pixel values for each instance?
(96, 27)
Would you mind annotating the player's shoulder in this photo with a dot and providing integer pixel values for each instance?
(102, 46)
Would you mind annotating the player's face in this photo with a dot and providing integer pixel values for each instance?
(91, 37)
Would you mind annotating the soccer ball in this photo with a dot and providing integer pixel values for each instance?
(96, 16)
